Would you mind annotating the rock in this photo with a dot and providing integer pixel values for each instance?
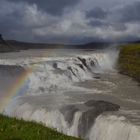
(102, 105)
(83, 60)
(88, 117)
(69, 112)
(55, 65)
(69, 68)
(92, 62)
(81, 66)
(5, 47)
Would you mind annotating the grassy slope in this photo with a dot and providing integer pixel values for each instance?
(129, 60)
(13, 129)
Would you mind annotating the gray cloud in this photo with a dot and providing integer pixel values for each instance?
(69, 21)
(54, 7)
(97, 12)
(131, 13)
(10, 17)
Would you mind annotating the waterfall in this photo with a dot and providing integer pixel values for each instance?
(46, 96)
(53, 74)
(111, 127)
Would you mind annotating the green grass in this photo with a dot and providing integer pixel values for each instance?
(13, 129)
(129, 60)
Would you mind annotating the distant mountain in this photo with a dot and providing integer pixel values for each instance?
(94, 45)
(25, 45)
(13, 45)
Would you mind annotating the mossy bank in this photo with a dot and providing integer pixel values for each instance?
(129, 60)
(13, 129)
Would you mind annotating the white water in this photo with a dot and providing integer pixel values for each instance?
(113, 127)
(59, 81)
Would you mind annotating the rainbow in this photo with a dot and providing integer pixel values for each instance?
(14, 89)
(17, 86)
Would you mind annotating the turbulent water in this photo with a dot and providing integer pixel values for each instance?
(76, 92)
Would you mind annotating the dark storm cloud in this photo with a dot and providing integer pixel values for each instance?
(98, 23)
(131, 13)
(11, 20)
(70, 21)
(119, 27)
(97, 12)
(55, 7)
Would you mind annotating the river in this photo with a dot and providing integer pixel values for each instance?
(76, 92)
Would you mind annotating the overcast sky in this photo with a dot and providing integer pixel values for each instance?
(70, 21)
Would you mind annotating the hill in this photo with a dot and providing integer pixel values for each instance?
(13, 129)
(4, 46)
(13, 45)
(129, 60)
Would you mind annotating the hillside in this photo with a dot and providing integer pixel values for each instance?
(28, 45)
(13, 45)
(5, 46)
(129, 60)
(13, 129)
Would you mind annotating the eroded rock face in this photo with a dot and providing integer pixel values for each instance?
(102, 105)
(86, 64)
(83, 60)
(90, 111)
(68, 112)
(88, 117)
(81, 66)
